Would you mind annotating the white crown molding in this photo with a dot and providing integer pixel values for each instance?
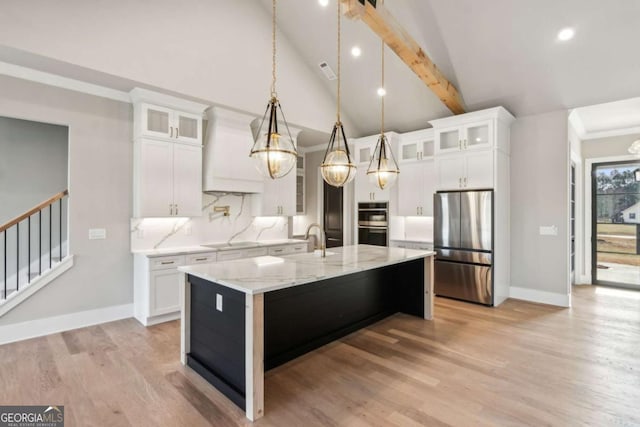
(49, 79)
(36, 328)
(611, 133)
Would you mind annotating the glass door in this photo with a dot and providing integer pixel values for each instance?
(616, 224)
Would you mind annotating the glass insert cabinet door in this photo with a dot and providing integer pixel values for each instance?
(157, 120)
(416, 150)
(188, 126)
(477, 135)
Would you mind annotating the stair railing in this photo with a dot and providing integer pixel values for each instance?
(14, 225)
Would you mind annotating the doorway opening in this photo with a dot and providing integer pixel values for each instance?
(616, 224)
(332, 217)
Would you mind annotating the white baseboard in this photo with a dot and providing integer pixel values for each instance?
(66, 322)
(543, 297)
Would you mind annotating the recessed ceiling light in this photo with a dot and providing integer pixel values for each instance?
(566, 34)
(356, 51)
(323, 3)
(478, 139)
(381, 91)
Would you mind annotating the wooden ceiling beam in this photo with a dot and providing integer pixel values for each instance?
(400, 41)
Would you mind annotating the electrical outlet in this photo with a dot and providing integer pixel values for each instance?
(550, 230)
(218, 302)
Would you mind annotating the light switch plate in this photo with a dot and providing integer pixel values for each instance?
(549, 230)
(97, 234)
(218, 302)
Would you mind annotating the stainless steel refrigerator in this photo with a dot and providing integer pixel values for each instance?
(463, 241)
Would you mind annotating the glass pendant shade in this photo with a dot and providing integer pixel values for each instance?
(338, 167)
(274, 151)
(383, 169)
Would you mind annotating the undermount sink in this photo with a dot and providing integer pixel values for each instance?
(230, 245)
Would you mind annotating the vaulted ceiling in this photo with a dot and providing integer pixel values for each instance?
(497, 52)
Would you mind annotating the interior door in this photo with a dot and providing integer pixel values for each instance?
(446, 227)
(333, 215)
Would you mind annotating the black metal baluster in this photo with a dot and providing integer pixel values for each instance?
(60, 231)
(29, 250)
(17, 256)
(50, 249)
(40, 242)
(5, 264)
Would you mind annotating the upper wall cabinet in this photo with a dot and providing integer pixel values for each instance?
(467, 147)
(466, 137)
(365, 191)
(166, 117)
(473, 131)
(161, 122)
(167, 168)
(416, 146)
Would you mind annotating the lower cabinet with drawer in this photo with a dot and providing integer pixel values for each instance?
(158, 283)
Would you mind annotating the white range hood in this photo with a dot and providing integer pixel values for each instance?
(227, 166)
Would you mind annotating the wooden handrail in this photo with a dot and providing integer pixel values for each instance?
(33, 210)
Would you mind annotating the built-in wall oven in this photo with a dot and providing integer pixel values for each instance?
(373, 223)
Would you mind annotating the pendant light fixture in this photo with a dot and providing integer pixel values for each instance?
(383, 169)
(338, 167)
(274, 150)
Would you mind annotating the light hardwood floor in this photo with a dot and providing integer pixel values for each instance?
(518, 364)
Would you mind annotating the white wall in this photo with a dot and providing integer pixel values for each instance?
(33, 164)
(539, 197)
(215, 50)
(100, 187)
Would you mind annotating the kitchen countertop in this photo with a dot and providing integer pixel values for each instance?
(184, 250)
(412, 241)
(247, 276)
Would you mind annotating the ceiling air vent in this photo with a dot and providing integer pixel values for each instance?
(327, 71)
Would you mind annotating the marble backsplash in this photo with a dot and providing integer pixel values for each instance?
(211, 227)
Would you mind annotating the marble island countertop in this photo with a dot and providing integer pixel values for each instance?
(264, 274)
(215, 247)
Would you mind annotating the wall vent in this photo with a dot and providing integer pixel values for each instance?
(327, 71)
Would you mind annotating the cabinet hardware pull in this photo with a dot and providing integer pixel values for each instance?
(171, 131)
(177, 132)
(465, 181)
(460, 182)
(167, 262)
(176, 209)
(170, 210)
(201, 259)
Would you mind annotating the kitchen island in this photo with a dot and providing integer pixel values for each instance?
(242, 317)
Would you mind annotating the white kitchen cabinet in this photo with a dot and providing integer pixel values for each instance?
(365, 191)
(167, 179)
(469, 136)
(301, 203)
(416, 146)
(165, 123)
(278, 197)
(157, 286)
(288, 249)
(161, 116)
(416, 185)
(467, 171)
(158, 283)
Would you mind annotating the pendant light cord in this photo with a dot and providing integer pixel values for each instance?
(273, 43)
(383, 88)
(339, 29)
